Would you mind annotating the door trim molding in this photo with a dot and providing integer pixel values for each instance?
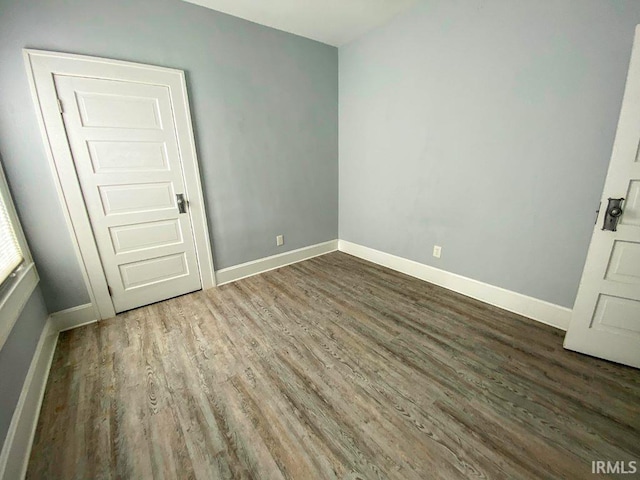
(41, 65)
(533, 308)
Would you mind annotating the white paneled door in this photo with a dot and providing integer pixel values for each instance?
(606, 315)
(122, 137)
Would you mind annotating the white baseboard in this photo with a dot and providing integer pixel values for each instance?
(545, 312)
(73, 317)
(244, 270)
(17, 446)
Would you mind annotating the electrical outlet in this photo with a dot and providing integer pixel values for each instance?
(437, 250)
(279, 240)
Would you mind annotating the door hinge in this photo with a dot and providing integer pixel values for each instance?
(60, 108)
(110, 291)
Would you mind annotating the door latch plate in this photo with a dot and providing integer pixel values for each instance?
(182, 203)
(614, 210)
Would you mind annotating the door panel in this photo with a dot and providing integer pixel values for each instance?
(146, 272)
(136, 198)
(118, 111)
(632, 205)
(625, 263)
(126, 156)
(130, 238)
(606, 316)
(617, 315)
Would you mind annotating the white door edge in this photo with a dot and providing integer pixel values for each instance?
(41, 65)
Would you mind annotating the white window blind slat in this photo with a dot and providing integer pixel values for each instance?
(10, 252)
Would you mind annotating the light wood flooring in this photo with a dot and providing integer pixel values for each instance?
(332, 368)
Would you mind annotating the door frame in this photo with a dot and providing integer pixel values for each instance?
(41, 66)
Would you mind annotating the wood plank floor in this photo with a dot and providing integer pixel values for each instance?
(330, 368)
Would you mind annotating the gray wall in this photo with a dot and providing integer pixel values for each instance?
(265, 112)
(16, 355)
(486, 127)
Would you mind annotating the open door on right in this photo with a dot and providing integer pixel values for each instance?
(606, 316)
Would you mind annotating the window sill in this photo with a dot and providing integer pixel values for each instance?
(13, 300)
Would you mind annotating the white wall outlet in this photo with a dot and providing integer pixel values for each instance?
(279, 240)
(437, 251)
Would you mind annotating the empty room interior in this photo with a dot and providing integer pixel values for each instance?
(318, 239)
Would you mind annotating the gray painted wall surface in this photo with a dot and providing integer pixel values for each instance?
(486, 127)
(16, 355)
(265, 113)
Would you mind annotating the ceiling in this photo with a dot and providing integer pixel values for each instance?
(335, 22)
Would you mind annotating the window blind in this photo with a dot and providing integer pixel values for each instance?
(10, 253)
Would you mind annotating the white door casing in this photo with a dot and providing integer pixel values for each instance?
(606, 316)
(128, 164)
(170, 102)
